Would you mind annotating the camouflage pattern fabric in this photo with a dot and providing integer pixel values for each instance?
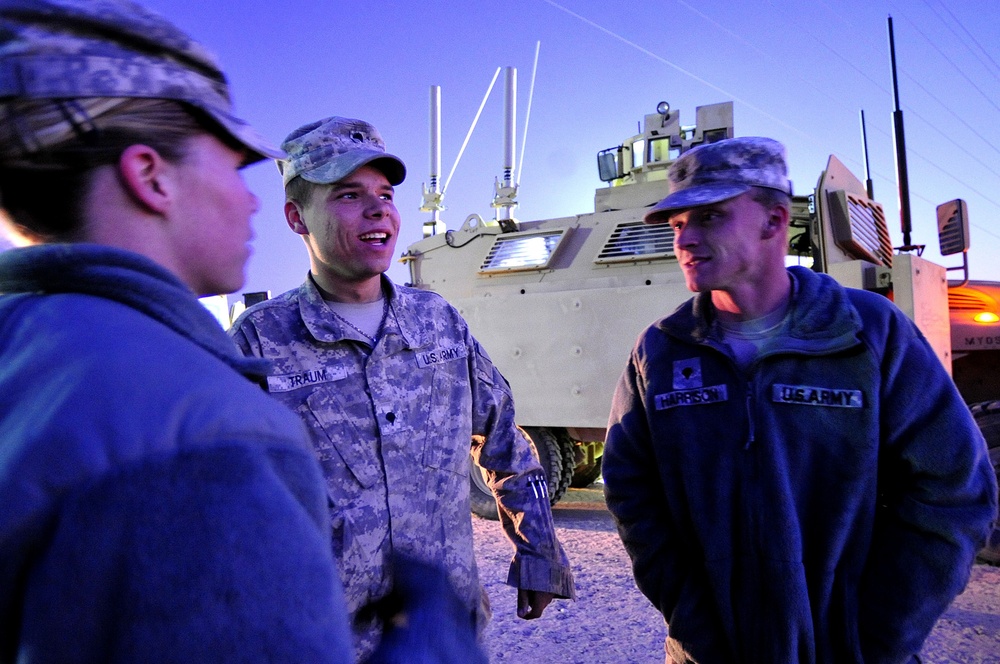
(393, 431)
(66, 49)
(330, 149)
(715, 172)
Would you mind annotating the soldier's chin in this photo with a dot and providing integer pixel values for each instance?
(696, 286)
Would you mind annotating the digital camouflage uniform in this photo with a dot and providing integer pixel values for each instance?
(393, 430)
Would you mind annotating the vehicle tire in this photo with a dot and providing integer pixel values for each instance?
(586, 474)
(484, 504)
(568, 449)
(549, 450)
(987, 416)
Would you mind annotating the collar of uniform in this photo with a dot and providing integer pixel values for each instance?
(405, 316)
(399, 319)
(821, 311)
(821, 317)
(126, 277)
(315, 316)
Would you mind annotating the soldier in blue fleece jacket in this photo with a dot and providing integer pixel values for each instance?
(156, 506)
(792, 471)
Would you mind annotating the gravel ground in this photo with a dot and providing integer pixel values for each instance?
(612, 623)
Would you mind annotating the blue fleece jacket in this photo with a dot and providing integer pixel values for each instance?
(155, 504)
(824, 506)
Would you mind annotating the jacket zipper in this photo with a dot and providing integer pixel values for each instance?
(750, 419)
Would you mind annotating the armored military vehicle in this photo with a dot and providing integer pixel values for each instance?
(558, 303)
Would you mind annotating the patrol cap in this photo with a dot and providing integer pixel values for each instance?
(716, 172)
(328, 150)
(64, 49)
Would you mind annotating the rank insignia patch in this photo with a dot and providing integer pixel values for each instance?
(687, 374)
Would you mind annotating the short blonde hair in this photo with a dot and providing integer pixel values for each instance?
(49, 149)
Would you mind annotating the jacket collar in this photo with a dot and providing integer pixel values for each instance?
(125, 277)
(822, 318)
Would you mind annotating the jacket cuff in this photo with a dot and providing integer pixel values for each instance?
(530, 573)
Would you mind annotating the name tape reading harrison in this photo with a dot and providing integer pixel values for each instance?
(694, 397)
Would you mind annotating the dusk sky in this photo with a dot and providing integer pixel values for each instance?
(799, 72)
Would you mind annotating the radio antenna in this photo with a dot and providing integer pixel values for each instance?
(471, 129)
(527, 113)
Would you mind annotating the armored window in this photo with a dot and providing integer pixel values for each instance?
(659, 150)
(531, 250)
(635, 240)
(638, 152)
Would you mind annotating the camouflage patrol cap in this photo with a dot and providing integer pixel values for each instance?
(716, 172)
(65, 49)
(328, 150)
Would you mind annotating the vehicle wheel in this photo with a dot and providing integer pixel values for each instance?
(484, 504)
(586, 474)
(987, 415)
(548, 449)
(568, 449)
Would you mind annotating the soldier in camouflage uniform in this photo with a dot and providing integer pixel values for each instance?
(394, 389)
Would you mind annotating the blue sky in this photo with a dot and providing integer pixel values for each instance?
(798, 72)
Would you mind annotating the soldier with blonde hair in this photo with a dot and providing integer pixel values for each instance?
(156, 506)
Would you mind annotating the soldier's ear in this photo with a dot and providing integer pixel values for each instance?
(146, 176)
(776, 222)
(294, 218)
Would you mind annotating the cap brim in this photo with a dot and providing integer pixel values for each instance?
(258, 147)
(343, 165)
(693, 197)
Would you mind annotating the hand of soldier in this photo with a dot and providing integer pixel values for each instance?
(531, 603)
